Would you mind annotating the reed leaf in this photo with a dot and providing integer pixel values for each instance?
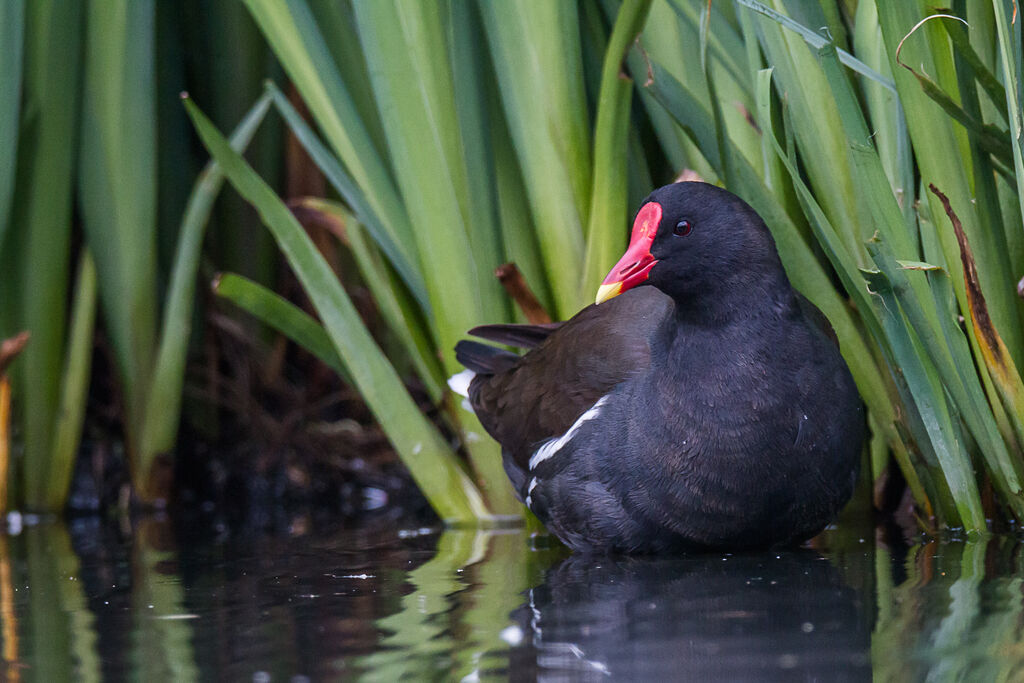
(941, 148)
(346, 187)
(536, 51)
(1008, 23)
(429, 459)
(117, 186)
(39, 248)
(388, 295)
(608, 211)
(163, 399)
(282, 315)
(290, 28)
(415, 93)
(12, 38)
(76, 374)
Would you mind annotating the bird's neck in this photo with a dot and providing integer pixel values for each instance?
(741, 298)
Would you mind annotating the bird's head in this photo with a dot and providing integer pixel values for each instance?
(694, 239)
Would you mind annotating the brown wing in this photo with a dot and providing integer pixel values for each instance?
(519, 336)
(551, 386)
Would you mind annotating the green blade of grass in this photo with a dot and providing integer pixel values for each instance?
(817, 129)
(163, 398)
(990, 137)
(405, 46)
(724, 43)
(42, 210)
(12, 33)
(816, 41)
(1013, 76)
(608, 211)
(402, 258)
(336, 22)
(290, 28)
(473, 87)
(964, 50)
(536, 53)
(941, 148)
(74, 397)
(282, 315)
(430, 460)
(117, 185)
(412, 333)
(959, 379)
(518, 232)
(675, 38)
(926, 389)
(413, 84)
(962, 383)
(887, 121)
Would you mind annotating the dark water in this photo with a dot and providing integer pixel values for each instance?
(383, 602)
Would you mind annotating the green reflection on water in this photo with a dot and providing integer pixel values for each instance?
(63, 638)
(162, 637)
(958, 614)
(941, 611)
(451, 624)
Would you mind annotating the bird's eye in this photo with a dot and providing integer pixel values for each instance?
(682, 229)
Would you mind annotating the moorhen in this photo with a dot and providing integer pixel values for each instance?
(704, 406)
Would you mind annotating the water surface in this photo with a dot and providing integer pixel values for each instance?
(385, 601)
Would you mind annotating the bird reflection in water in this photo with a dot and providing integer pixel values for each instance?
(772, 616)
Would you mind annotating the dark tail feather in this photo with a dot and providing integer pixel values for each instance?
(520, 336)
(483, 358)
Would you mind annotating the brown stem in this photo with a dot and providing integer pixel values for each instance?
(515, 284)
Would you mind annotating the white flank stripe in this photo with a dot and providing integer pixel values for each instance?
(529, 491)
(459, 382)
(554, 445)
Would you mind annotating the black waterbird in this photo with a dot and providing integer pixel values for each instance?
(699, 404)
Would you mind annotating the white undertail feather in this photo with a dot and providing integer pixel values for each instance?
(554, 445)
(459, 382)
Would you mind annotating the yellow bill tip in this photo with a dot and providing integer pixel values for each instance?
(605, 292)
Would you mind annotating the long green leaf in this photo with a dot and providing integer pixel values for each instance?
(282, 315)
(1013, 78)
(118, 190)
(801, 84)
(607, 230)
(42, 212)
(387, 295)
(413, 84)
(163, 398)
(959, 379)
(77, 371)
(290, 28)
(405, 45)
(432, 463)
(926, 388)
(536, 52)
(12, 34)
(816, 41)
(401, 258)
(941, 148)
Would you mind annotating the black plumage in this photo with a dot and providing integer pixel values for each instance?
(704, 407)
